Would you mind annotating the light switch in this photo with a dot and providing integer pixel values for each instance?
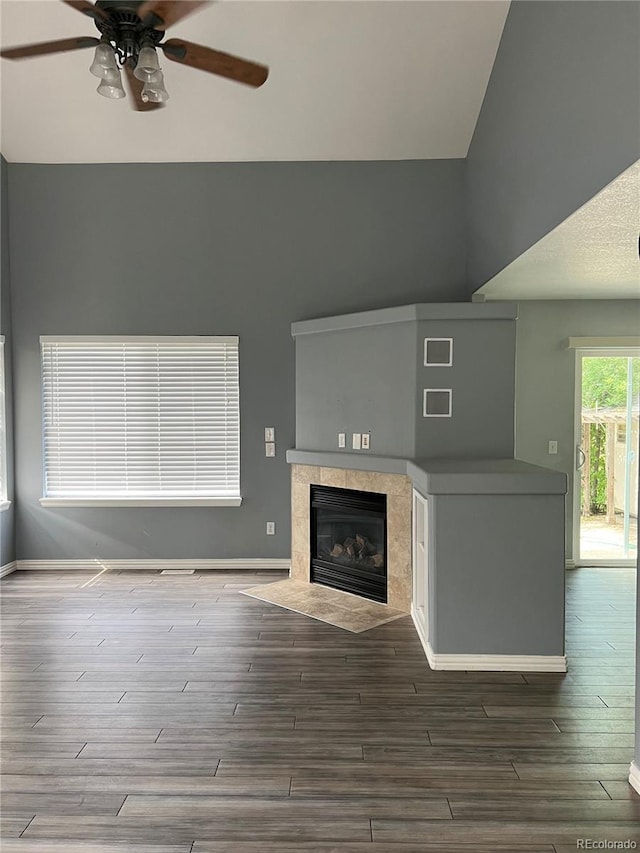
(269, 434)
(342, 439)
(269, 448)
(553, 447)
(356, 441)
(271, 528)
(366, 437)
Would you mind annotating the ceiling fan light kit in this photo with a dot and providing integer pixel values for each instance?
(130, 33)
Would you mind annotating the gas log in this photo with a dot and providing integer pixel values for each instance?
(357, 550)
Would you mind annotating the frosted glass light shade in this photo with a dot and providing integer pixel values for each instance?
(104, 60)
(111, 87)
(154, 91)
(148, 64)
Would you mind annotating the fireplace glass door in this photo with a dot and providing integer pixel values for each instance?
(348, 541)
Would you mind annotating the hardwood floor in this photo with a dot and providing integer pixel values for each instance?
(169, 714)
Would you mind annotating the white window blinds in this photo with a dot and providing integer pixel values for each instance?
(137, 417)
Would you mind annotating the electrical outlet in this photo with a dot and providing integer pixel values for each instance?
(553, 447)
(356, 441)
(366, 438)
(271, 528)
(269, 449)
(342, 439)
(269, 434)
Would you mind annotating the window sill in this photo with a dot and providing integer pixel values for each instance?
(4, 505)
(151, 502)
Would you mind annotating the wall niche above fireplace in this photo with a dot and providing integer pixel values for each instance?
(348, 542)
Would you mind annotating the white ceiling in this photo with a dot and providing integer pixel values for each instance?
(593, 254)
(363, 80)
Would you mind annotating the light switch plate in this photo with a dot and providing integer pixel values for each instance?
(366, 438)
(269, 433)
(269, 448)
(271, 528)
(356, 441)
(553, 447)
(342, 439)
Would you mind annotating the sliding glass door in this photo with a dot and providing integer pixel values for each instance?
(607, 457)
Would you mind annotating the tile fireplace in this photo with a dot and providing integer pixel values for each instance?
(375, 566)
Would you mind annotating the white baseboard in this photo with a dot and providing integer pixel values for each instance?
(233, 565)
(8, 568)
(489, 663)
(634, 776)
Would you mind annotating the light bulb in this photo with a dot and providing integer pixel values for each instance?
(148, 64)
(111, 87)
(104, 60)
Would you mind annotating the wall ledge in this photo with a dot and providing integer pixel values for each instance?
(407, 314)
(446, 476)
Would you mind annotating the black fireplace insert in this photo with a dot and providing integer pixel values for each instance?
(349, 541)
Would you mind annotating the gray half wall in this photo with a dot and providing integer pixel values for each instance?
(545, 376)
(560, 120)
(497, 582)
(482, 379)
(357, 381)
(242, 249)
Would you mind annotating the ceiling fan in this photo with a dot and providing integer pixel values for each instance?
(130, 33)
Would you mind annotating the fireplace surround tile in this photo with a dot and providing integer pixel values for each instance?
(397, 488)
(333, 477)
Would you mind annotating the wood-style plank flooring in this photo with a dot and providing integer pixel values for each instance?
(170, 714)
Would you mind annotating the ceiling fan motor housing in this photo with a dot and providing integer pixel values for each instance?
(124, 29)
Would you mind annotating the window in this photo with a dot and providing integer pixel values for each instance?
(3, 433)
(141, 421)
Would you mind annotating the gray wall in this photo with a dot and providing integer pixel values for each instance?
(7, 525)
(213, 249)
(371, 379)
(482, 379)
(559, 121)
(545, 376)
(357, 380)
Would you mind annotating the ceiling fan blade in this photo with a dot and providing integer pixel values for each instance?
(26, 51)
(215, 62)
(161, 14)
(87, 9)
(135, 90)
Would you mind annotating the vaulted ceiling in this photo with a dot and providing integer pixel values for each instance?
(348, 81)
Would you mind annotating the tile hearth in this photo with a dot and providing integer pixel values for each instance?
(338, 608)
(396, 487)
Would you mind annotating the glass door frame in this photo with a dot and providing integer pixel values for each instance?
(604, 351)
